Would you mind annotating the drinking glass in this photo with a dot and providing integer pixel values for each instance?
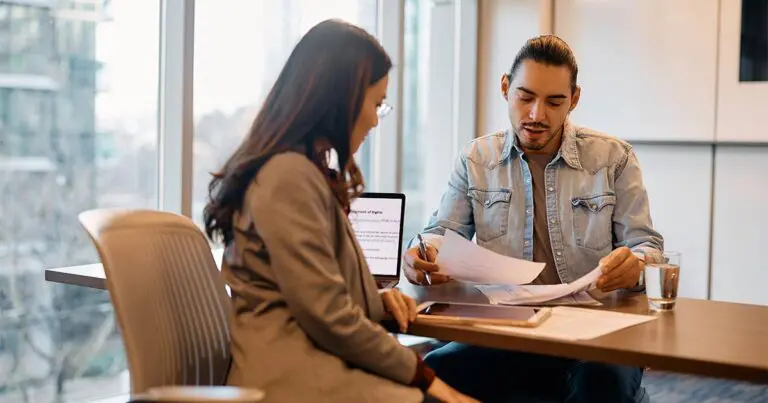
(661, 280)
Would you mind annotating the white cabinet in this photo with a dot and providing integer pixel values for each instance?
(647, 68)
(741, 106)
(740, 227)
(679, 184)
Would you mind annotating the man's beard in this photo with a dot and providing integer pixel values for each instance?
(544, 138)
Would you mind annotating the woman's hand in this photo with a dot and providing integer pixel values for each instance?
(401, 306)
(444, 393)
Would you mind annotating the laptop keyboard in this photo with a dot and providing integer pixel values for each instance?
(385, 283)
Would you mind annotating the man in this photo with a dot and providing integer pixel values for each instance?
(549, 191)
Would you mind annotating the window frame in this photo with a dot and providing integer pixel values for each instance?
(175, 114)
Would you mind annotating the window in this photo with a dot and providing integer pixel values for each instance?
(754, 40)
(240, 48)
(438, 100)
(78, 130)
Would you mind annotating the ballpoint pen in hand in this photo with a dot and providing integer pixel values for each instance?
(425, 257)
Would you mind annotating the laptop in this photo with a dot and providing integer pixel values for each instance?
(377, 219)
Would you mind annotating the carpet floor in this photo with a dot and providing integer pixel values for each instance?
(664, 387)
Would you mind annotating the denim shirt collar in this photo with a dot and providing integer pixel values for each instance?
(568, 150)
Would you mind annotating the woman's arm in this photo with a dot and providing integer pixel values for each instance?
(293, 211)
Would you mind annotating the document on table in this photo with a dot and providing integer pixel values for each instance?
(538, 294)
(569, 323)
(582, 298)
(466, 261)
(511, 295)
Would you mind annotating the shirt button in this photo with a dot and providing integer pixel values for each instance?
(552, 220)
(487, 203)
(559, 253)
(551, 189)
(527, 243)
(527, 211)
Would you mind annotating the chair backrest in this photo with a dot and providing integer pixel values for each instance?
(169, 299)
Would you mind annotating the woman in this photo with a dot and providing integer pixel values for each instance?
(305, 303)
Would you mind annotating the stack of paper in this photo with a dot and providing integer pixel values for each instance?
(501, 277)
(536, 294)
(568, 323)
(528, 295)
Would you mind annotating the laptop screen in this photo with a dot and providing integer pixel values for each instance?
(377, 219)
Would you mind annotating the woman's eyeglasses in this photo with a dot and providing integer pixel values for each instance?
(383, 109)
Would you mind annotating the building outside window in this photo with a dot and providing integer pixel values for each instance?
(78, 130)
(232, 81)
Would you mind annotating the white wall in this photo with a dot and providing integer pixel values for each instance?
(503, 26)
(739, 105)
(647, 68)
(661, 74)
(648, 73)
(679, 183)
(740, 241)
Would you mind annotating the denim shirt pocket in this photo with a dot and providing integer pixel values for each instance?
(593, 220)
(491, 212)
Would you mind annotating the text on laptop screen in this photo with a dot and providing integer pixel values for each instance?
(376, 222)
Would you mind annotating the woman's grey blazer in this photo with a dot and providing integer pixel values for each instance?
(306, 307)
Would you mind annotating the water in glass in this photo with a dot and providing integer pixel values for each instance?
(661, 282)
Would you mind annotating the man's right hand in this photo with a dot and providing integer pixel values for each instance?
(416, 267)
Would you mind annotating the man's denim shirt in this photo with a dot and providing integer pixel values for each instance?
(595, 196)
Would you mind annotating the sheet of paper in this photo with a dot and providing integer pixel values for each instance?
(536, 294)
(466, 261)
(497, 294)
(582, 298)
(569, 323)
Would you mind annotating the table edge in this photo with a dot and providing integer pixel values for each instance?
(587, 350)
(62, 276)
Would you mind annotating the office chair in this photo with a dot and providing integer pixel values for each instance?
(170, 304)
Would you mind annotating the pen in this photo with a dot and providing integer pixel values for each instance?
(423, 253)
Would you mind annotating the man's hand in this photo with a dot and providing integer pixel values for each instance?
(621, 269)
(416, 267)
(401, 306)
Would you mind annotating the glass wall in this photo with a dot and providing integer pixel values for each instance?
(240, 47)
(79, 119)
(78, 130)
(438, 100)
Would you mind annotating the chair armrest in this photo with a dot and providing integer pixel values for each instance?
(211, 394)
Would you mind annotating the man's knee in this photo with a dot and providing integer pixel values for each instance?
(594, 381)
(449, 361)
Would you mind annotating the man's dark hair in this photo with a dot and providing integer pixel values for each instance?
(549, 50)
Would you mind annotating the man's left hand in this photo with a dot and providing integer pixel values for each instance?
(621, 269)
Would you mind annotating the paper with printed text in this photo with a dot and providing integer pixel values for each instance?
(466, 261)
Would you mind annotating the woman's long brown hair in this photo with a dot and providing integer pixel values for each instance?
(312, 107)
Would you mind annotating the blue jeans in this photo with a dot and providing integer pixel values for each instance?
(491, 375)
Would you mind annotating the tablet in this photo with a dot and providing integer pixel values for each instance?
(455, 313)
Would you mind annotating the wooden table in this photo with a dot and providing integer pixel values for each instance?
(708, 338)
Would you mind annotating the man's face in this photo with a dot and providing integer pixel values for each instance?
(540, 99)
